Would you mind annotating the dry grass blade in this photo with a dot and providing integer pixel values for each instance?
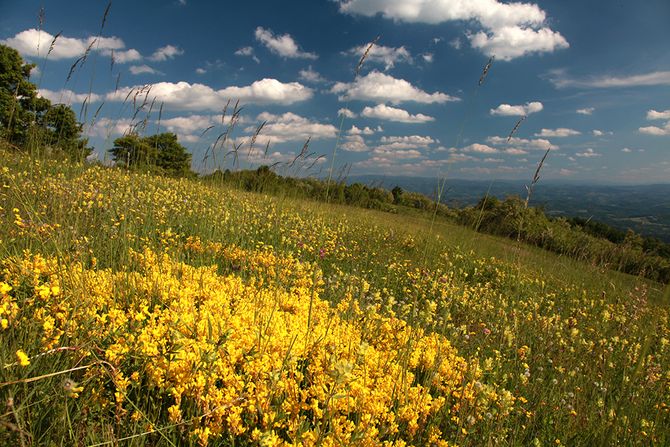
(536, 177)
(515, 128)
(302, 152)
(485, 72)
(53, 42)
(365, 54)
(104, 16)
(112, 61)
(254, 137)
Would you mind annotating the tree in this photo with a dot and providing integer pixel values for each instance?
(29, 120)
(397, 194)
(133, 151)
(162, 151)
(62, 131)
(19, 104)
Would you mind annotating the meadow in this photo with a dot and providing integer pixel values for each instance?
(144, 310)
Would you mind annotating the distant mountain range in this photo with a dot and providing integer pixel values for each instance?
(642, 208)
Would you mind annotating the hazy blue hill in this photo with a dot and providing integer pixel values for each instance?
(642, 208)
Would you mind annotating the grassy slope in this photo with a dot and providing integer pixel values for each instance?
(583, 351)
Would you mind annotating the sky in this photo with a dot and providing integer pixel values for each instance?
(476, 89)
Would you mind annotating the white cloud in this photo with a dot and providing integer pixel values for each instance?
(566, 172)
(560, 132)
(388, 56)
(354, 143)
(165, 53)
(536, 143)
(247, 51)
(291, 127)
(125, 56)
(36, 43)
(310, 75)
(456, 43)
(586, 111)
(600, 133)
(510, 42)
(520, 110)
(106, 127)
(408, 141)
(382, 111)
(346, 112)
(380, 87)
(140, 69)
(200, 71)
(68, 96)
(494, 160)
(560, 80)
(283, 45)
(427, 57)
(508, 30)
(480, 149)
(657, 131)
(654, 115)
(627, 150)
(185, 96)
(356, 131)
(515, 151)
(189, 124)
(588, 153)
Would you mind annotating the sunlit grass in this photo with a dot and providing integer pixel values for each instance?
(162, 311)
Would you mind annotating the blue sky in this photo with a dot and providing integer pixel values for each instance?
(592, 79)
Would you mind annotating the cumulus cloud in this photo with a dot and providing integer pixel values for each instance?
(346, 112)
(408, 141)
(657, 131)
(384, 112)
(480, 149)
(654, 115)
(427, 57)
(626, 150)
(379, 54)
(588, 153)
(36, 43)
(561, 80)
(310, 75)
(534, 143)
(354, 143)
(291, 127)
(185, 96)
(364, 131)
(106, 127)
(66, 96)
(124, 56)
(586, 111)
(140, 69)
(600, 133)
(283, 45)
(520, 110)
(510, 42)
(165, 53)
(508, 30)
(380, 87)
(559, 133)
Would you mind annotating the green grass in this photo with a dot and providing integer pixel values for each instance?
(584, 351)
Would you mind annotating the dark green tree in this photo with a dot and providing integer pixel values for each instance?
(19, 104)
(62, 131)
(172, 157)
(133, 151)
(161, 151)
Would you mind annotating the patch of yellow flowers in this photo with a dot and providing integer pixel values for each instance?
(262, 358)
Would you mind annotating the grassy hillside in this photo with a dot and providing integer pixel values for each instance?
(140, 310)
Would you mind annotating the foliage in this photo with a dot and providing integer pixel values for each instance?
(31, 122)
(162, 152)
